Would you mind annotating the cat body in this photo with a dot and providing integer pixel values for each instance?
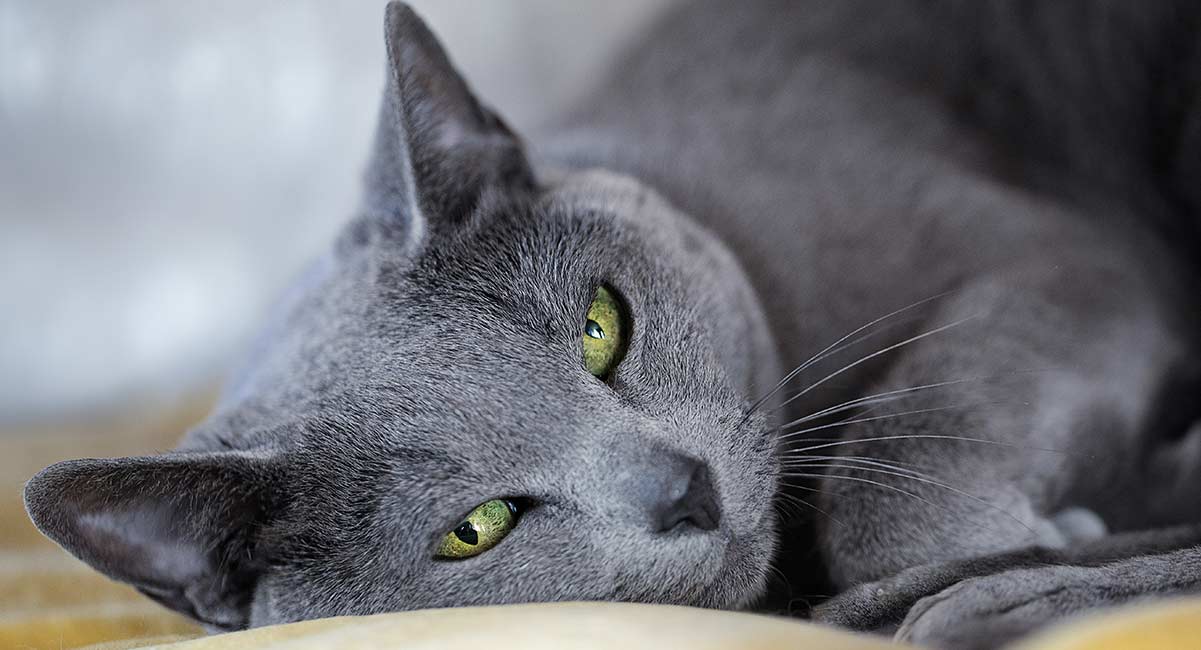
(976, 214)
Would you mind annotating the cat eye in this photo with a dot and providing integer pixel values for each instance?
(605, 332)
(480, 530)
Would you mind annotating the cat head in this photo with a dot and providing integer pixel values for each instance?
(500, 386)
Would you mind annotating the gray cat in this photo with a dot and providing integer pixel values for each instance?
(967, 231)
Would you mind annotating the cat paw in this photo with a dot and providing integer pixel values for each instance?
(988, 611)
(874, 606)
(1079, 525)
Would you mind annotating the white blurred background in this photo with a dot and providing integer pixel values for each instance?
(166, 167)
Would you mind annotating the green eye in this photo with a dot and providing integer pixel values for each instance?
(604, 334)
(482, 529)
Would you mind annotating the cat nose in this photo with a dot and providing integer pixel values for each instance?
(676, 490)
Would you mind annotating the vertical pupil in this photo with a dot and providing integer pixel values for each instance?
(466, 533)
(593, 329)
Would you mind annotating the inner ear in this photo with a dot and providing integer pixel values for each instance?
(438, 149)
(180, 527)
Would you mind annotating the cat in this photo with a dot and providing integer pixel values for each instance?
(896, 299)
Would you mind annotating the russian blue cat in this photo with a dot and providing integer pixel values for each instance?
(892, 300)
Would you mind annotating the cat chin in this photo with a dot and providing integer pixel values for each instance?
(742, 583)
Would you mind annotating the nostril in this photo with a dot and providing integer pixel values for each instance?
(689, 498)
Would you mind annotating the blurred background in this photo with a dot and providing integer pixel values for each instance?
(167, 167)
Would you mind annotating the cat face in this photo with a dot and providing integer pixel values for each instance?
(467, 383)
(501, 387)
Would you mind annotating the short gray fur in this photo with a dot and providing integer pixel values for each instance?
(756, 180)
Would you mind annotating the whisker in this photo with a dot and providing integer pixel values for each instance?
(786, 510)
(826, 465)
(799, 500)
(901, 392)
(847, 420)
(822, 356)
(928, 436)
(912, 339)
(893, 488)
(930, 482)
(817, 357)
(783, 578)
(874, 418)
(871, 458)
(811, 489)
(861, 480)
(879, 398)
(866, 460)
(825, 492)
(868, 409)
(830, 439)
(799, 509)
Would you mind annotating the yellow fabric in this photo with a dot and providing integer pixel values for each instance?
(1167, 625)
(50, 601)
(47, 598)
(585, 626)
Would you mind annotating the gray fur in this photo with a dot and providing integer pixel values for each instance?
(756, 181)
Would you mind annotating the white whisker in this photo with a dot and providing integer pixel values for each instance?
(818, 357)
(928, 481)
(796, 499)
(866, 460)
(892, 488)
(912, 339)
(874, 418)
(878, 398)
(927, 436)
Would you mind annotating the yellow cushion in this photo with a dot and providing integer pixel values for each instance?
(1166, 625)
(585, 626)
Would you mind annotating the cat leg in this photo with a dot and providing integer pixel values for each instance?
(1063, 363)
(883, 604)
(987, 611)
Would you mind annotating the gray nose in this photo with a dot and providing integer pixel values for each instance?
(676, 490)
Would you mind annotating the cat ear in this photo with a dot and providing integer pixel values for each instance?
(179, 527)
(437, 148)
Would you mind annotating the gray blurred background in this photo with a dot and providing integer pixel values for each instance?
(166, 167)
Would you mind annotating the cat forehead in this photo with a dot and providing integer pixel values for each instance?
(601, 190)
(588, 228)
(535, 266)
